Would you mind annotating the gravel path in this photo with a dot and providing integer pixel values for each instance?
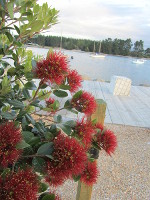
(125, 175)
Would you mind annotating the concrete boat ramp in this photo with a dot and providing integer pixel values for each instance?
(133, 110)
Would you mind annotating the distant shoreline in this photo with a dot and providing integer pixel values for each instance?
(75, 50)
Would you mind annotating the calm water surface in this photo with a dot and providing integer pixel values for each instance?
(104, 68)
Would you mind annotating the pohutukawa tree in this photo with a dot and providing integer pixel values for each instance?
(38, 149)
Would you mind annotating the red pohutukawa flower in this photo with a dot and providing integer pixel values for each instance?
(19, 185)
(54, 68)
(74, 80)
(84, 102)
(84, 131)
(50, 101)
(106, 140)
(99, 126)
(69, 158)
(10, 136)
(89, 176)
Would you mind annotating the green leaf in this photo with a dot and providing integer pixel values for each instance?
(67, 105)
(74, 111)
(36, 26)
(43, 187)
(17, 43)
(22, 145)
(4, 63)
(76, 178)
(10, 37)
(49, 197)
(96, 146)
(94, 122)
(34, 141)
(46, 149)
(67, 129)
(5, 172)
(26, 93)
(29, 76)
(48, 136)
(43, 86)
(40, 127)
(17, 29)
(1, 71)
(33, 62)
(71, 123)
(27, 14)
(15, 57)
(21, 114)
(64, 87)
(58, 118)
(16, 103)
(38, 164)
(60, 93)
(55, 105)
(27, 135)
(29, 119)
(19, 83)
(53, 129)
(30, 86)
(77, 94)
(6, 108)
(43, 95)
(50, 156)
(6, 87)
(11, 71)
(30, 109)
(7, 115)
(10, 7)
(47, 109)
(35, 102)
(2, 4)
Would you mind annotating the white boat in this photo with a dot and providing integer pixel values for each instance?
(138, 61)
(97, 55)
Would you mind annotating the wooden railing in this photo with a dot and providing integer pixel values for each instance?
(84, 192)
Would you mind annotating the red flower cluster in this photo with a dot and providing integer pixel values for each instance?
(84, 131)
(50, 101)
(54, 68)
(74, 80)
(69, 159)
(85, 103)
(89, 176)
(10, 136)
(106, 139)
(20, 185)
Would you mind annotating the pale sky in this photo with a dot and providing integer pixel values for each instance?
(100, 19)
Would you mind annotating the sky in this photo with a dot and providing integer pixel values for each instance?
(102, 19)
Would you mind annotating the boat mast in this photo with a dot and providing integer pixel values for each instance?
(94, 47)
(99, 47)
(61, 42)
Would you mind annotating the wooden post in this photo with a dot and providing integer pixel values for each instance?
(84, 192)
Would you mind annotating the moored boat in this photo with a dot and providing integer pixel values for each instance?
(97, 55)
(138, 61)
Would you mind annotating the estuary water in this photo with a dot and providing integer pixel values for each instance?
(105, 68)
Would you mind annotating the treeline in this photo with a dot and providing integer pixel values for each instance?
(107, 46)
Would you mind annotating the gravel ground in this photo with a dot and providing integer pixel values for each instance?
(125, 175)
